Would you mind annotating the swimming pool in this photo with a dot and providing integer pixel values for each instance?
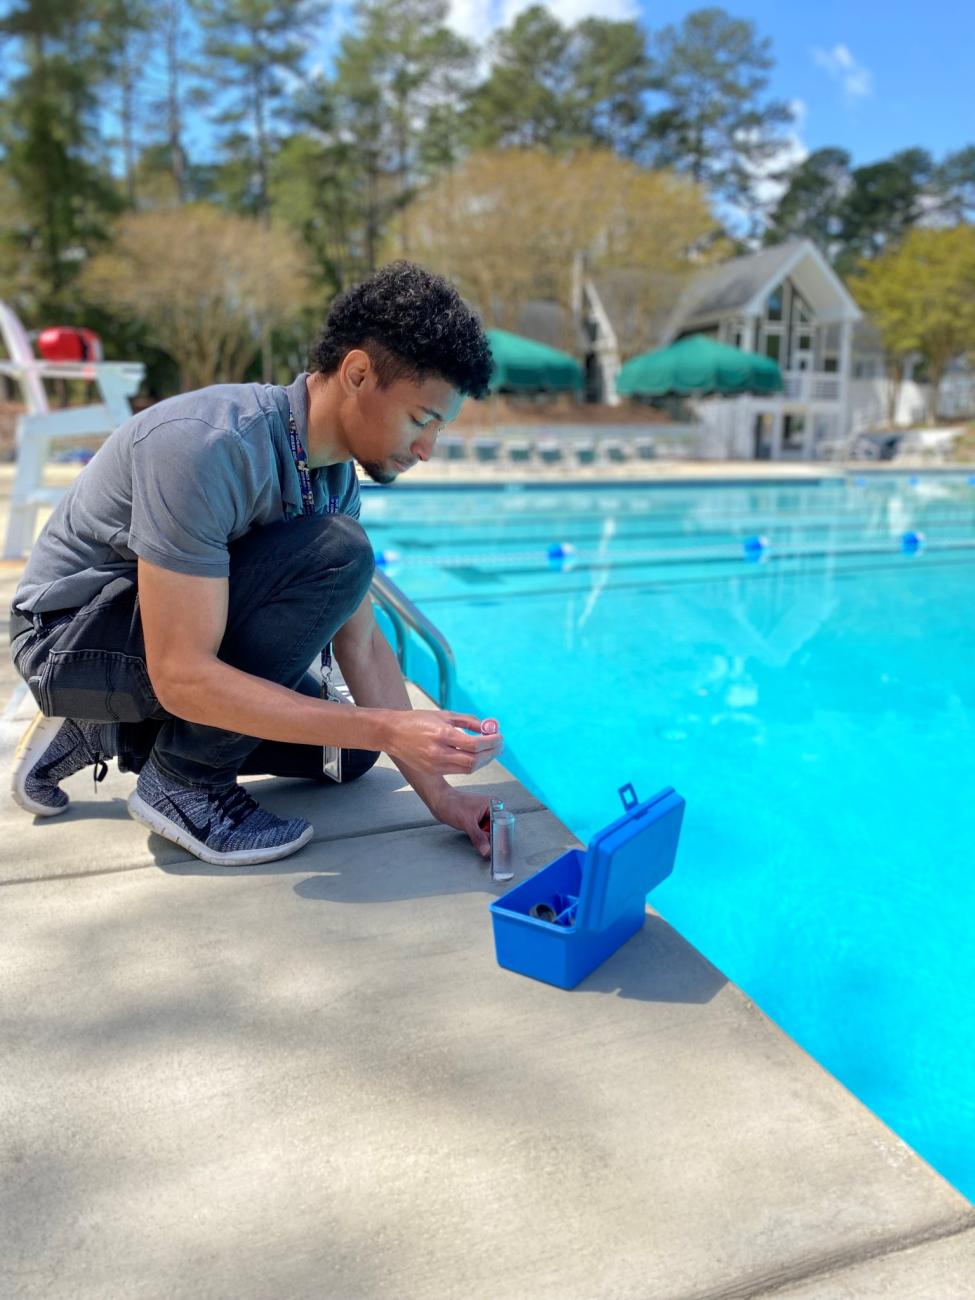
(814, 703)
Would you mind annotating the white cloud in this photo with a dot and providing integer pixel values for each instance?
(570, 11)
(478, 18)
(856, 80)
(472, 18)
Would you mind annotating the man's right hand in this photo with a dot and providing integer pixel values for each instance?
(434, 741)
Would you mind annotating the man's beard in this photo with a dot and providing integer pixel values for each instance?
(378, 472)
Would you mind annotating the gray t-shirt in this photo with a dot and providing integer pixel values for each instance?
(176, 484)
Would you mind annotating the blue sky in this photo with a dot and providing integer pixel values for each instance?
(869, 77)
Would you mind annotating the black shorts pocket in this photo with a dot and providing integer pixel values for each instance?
(100, 685)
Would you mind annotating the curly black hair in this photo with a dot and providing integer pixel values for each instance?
(413, 324)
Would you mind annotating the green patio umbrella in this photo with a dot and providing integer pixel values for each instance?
(524, 366)
(698, 365)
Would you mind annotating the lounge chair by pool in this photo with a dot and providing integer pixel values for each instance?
(615, 451)
(486, 450)
(520, 452)
(549, 451)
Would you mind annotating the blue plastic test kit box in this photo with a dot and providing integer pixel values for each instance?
(598, 896)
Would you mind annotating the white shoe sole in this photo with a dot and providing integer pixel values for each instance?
(169, 830)
(31, 749)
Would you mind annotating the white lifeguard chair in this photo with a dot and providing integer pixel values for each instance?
(117, 381)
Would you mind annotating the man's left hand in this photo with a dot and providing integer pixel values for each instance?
(463, 810)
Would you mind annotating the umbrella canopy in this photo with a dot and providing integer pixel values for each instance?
(524, 366)
(698, 365)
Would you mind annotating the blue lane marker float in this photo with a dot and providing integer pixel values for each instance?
(911, 543)
(914, 480)
(385, 558)
(971, 480)
(756, 549)
(861, 481)
(561, 556)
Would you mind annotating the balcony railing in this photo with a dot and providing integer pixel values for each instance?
(807, 386)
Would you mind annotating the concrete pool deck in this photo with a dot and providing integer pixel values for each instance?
(311, 1079)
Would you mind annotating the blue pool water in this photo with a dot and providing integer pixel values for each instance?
(816, 709)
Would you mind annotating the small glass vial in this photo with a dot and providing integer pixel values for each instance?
(502, 841)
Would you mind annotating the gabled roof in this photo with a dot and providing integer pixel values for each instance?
(551, 323)
(743, 284)
(539, 319)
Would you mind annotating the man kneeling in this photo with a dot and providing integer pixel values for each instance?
(211, 550)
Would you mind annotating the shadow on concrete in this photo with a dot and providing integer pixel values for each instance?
(102, 809)
(657, 965)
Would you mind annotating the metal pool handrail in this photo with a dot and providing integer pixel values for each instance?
(405, 616)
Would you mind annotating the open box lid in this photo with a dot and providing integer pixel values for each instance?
(630, 856)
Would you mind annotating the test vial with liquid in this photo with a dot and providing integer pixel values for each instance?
(502, 841)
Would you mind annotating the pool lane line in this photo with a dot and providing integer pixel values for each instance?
(387, 535)
(753, 573)
(522, 563)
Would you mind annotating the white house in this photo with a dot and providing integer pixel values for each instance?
(785, 302)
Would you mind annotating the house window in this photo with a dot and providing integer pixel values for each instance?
(831, 365)
(774, 306)
(805, 342)
(773, 346)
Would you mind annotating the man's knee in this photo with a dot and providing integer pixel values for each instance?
(346, 539)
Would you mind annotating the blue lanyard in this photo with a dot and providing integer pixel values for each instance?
(307, 508)
(301, 465)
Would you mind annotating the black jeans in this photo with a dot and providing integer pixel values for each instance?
(293, 585)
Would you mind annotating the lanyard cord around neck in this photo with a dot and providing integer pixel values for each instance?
(301, 465)
(307, 508)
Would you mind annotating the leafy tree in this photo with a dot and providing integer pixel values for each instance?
(57, 58)
(810, 205)
(15, 286)
(716, 123)
(921, 296)
(204, 283)
(954, 186)
(508, 225)
(884, 201)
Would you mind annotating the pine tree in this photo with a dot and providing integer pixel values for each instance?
(251, 47)
(59, 57)
(400, 89)
(716, 124)
(885, 200)
(557, 87)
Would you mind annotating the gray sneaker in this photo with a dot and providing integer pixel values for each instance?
(50, 750)
(223, 825)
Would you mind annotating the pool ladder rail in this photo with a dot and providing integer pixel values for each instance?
(406, 617)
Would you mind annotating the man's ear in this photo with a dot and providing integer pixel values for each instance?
(355, 369)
